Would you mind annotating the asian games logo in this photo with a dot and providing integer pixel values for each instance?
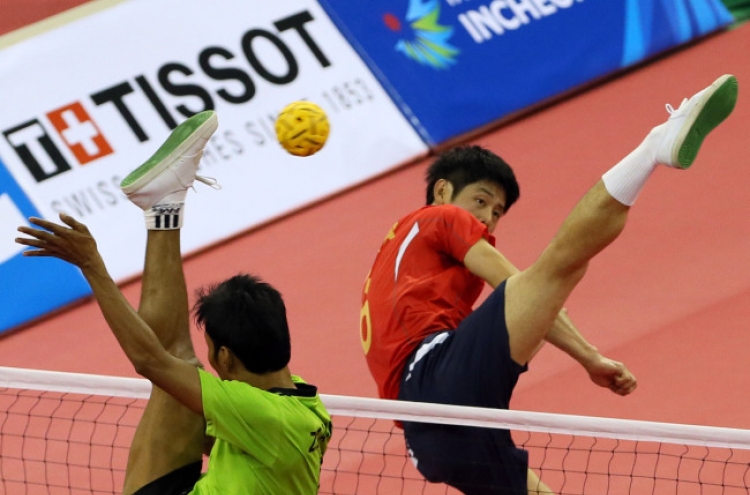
(429, 41)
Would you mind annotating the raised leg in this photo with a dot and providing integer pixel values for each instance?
(535, 296)
(169, 436)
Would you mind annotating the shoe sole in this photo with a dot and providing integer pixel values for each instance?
(716, 106)
(199, 126)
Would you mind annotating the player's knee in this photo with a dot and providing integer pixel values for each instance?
(559, 270)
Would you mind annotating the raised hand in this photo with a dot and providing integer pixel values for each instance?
(71, 242)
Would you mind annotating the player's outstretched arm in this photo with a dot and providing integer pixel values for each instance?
(603, 371)
(486, 262)
(74, 243)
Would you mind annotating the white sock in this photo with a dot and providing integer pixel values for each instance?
(164, 216)
(625, 180)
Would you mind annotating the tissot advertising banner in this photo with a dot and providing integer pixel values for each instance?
(84, 103)
(458, 65)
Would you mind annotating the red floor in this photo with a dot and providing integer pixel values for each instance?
(670, 298)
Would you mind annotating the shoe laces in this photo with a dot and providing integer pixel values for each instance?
(209, 181)
(675, 112)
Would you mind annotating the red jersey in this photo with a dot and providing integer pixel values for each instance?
(418, 285)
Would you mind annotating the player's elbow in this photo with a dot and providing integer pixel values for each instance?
(146, 364)
(141, 367)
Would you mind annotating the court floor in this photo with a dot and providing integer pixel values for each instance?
(671, 298)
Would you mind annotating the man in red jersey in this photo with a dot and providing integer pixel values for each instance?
(424, 341)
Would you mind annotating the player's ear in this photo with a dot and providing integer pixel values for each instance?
(225, 358)
(443, 192)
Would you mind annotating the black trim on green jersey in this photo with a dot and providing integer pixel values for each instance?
(302, 390)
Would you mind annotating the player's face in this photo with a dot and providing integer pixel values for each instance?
(485, 200)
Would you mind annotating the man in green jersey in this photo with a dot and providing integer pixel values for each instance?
(268, 427)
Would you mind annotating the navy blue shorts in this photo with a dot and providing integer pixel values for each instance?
(468, 366)
(179, 482)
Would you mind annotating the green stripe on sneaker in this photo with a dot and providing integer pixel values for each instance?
(177, 137)
(717, 108)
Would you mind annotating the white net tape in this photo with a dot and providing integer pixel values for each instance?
(70, 433)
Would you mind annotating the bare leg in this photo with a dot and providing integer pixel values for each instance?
(169, 436)
(535, 296)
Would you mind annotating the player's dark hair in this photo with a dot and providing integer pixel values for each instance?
(466, 165)
(248, 317)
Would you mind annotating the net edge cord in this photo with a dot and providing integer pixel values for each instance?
(337, 405)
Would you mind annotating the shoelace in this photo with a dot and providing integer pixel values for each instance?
(672, 109)
(209, 181)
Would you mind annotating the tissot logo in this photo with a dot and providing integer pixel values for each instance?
(78, 130)
(37, 150)
(176, 90)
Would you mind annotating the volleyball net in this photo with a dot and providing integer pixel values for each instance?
(67, 433)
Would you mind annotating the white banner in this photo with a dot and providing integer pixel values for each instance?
(87, 102)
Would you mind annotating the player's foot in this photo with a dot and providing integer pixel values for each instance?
(165, 177)
(688, 125)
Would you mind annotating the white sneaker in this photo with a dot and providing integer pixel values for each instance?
(696, 117)
(169, 173)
